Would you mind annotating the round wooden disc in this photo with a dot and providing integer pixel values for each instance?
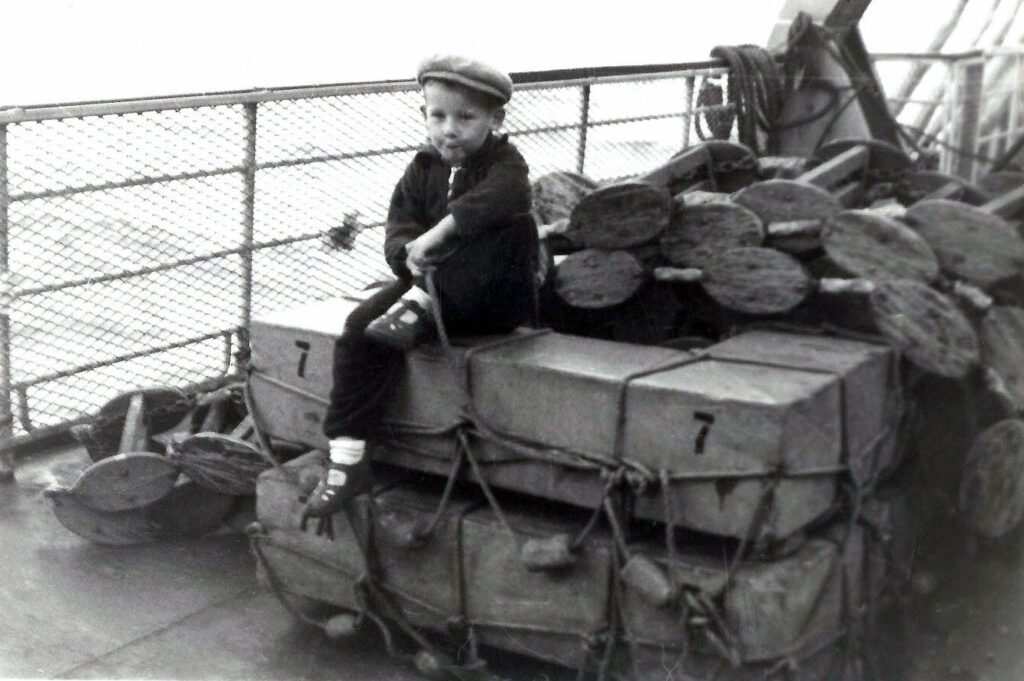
(165, 407)
(557, 193)
(992, 484)
(916, 185)
(1000, 182)
(696, 232)
(755, 280)
(621, 215)
(115, 528)
(970, 244)
(733, 165)
(220, 463)
(871, 246)
(926, 326)
(595, 279)
(125, 481)
(886, 163)
(1001, 335)
(787, 200)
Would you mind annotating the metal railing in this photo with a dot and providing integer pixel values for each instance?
(968, 107)
(138, 238)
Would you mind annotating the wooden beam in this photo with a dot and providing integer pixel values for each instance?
(838, 15)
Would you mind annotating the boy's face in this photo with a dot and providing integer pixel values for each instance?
(457, 124)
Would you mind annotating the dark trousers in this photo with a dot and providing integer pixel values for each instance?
(477, 296)
(365, 375)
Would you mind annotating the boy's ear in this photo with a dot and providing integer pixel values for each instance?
(423, 110)
(498, 117)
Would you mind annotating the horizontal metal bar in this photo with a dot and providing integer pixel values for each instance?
(577, 82)
(117, 107)
(528, 77)
(16, 114)
(138, 182)
(22, 385)
(615, 121)
(328, 158)
(925, 56)
(183, 262)
(36, 435)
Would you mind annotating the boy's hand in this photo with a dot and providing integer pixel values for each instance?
(419, 250)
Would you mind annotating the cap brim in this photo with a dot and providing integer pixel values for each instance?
(471, 83)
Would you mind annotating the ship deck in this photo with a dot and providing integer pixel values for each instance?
(192, 609)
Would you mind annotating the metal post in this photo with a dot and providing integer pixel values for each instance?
(691, 84)
(970, 76)
(581, 151)
(6, 413)
(248, 222)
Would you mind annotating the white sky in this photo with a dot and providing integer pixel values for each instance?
(74, 50)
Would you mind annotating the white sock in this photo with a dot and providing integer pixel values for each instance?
(345, 450)
(418, 295)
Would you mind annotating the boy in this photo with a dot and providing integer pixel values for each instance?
(462, 208)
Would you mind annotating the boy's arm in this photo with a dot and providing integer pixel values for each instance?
(402, 227)
(503, 194)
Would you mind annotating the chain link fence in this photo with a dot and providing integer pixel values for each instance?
(140, 237)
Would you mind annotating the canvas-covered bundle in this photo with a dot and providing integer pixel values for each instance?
(472, 570)
(753, 431)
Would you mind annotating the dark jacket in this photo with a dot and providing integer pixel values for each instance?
(485, 278)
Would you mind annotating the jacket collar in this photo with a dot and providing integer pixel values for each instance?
(492, 142)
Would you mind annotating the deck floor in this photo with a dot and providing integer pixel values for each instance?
(193, 610)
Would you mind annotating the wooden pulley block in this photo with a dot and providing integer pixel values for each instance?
(1001, 335)
(929, 184)
(885, 162)
(751, 280)
(713, 165)
(787, 200)
(926, 326)
(733, 165)
(696, 232)
(868, 245)
(596, 279)
(221, 463)
(114, 528)
(125, 481)
(991, 496)
(125, 422)
(189, 510)
(621, 215)
(791, 210)
(972, 243)
(557, 193)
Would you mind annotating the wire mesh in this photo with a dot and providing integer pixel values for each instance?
(130, 244)
(140, 237)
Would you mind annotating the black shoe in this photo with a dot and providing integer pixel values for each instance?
(341, 482)
(404, 326)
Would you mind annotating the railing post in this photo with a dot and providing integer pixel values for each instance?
(691, 86)
(248, 222)
(581, 150)
(970, 75)
(6, 297)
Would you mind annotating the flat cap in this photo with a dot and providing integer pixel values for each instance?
(468, 72)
